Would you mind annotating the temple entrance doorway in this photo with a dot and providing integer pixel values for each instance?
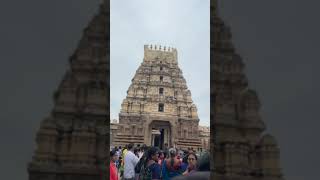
(160, 134)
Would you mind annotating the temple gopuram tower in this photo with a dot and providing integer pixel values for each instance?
(72, 141)
(158, 108)
(242, 149)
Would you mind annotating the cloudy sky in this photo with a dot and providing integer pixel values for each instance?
(183, 24)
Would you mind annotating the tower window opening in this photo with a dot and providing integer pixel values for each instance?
(161, 78)
(161, 107)
(161, 68)
(161, 91)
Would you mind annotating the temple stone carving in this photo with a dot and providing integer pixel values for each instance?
(241, 148)
(72, 140)
(158, 108)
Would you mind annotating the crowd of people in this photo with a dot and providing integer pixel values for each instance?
(151, 163)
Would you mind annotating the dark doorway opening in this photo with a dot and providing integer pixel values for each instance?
(162, 139)
(160, 134)
(158, 140)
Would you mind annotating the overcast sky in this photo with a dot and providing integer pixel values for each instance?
(183, 24)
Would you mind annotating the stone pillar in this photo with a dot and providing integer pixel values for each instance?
(147, 132)
(173, 133)
(166, 136)
(152, 140)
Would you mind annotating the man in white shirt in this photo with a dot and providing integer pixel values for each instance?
(130, 161)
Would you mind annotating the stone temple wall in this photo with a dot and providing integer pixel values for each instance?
(242, 149)
(72, 140)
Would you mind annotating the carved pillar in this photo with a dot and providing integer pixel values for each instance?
(147, 132)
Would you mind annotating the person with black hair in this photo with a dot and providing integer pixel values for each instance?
(161, 157)
(142, 162)
(171, 166)
(113, 169)
(185, 158)
(140, 152)
(136, 152)
(192, 164)
(203, 170)
(151, 170)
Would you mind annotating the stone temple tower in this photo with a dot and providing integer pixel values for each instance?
(158, 109)
(242, 150)
(72, 141)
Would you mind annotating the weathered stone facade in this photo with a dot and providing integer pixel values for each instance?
(241, 148)
(158, 103)
(72, 141)
(204, 134)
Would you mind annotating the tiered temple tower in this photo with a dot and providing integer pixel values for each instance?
(72, 141)
(241, 148)
(158, 108)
